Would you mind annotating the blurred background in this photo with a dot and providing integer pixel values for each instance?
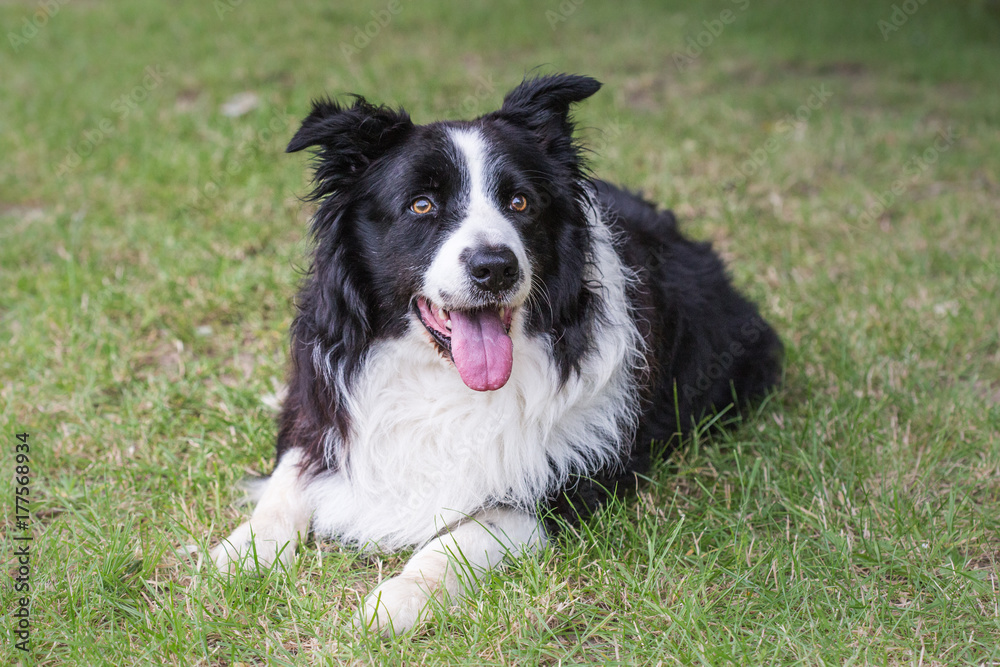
(842, 156)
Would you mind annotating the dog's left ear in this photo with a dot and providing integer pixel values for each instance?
(542, 104)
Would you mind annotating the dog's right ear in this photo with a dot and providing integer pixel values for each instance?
(348, 139)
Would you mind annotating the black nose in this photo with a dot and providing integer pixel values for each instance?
(493, 269)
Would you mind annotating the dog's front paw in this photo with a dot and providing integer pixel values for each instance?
(397, 605)
(249, 547)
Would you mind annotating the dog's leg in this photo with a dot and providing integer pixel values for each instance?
(449, 566)
(280, 519)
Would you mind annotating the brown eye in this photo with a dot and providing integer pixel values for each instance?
(421, 206)
(518, 203)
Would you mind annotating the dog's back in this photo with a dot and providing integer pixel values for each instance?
(710, 349)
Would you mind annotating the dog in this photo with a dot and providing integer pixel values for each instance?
(486, 345)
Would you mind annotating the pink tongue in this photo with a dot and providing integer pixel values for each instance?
(481, 349)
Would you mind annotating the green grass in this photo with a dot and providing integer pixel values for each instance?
(145, 296)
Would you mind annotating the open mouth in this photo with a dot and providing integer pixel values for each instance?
(478, 341)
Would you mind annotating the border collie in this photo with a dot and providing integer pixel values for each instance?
(487, 338)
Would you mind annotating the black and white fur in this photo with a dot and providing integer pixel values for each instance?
(619, 328)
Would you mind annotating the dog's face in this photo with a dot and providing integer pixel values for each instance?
(458, 227)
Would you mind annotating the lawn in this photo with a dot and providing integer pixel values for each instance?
(843, 157)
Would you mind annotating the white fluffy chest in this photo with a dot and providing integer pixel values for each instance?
(427, 450)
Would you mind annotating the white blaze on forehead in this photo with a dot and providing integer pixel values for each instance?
(471, 150)
(483, 225)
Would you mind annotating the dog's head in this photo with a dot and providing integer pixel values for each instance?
(461, 228)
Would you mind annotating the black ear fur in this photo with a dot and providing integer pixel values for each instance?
(543, 103)
(542, 106)
(348, 139)
(334, 323)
